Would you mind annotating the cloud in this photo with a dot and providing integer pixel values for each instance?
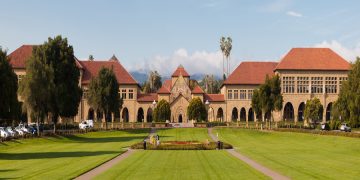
(349, 54)
(196, 62)
(294, 14)
(276, 6)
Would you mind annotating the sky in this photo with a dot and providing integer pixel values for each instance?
(160, 35)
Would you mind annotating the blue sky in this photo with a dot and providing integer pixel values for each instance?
(162, 34)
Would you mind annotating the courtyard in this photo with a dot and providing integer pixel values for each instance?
(295, 155)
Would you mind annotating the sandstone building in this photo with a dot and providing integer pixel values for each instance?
(305, 73)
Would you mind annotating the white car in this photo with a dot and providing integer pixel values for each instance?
(23, 128)
(3, 133)
(345, 127)
(10, 131)
(86, 124)
(19, 131)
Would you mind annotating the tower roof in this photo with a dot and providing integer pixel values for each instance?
(180, 71)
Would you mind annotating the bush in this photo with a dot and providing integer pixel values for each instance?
(216, 123)
(181, 145)
(334, 124)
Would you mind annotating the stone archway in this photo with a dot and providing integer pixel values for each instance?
(125, 115)
(149, 115)
(140, 115)
(234, 114)
(328, 111)
(180, 115)
(220, 115)
(288, 112)
(301, 110)
(90, 114)
(243, 114)
(251, 115)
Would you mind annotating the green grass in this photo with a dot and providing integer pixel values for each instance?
(183, 134)
(298, 155)
(63, 157)
(183, 165)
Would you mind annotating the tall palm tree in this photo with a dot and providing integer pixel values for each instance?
(223, 49)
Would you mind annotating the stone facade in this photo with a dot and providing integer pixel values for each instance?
(299, 81)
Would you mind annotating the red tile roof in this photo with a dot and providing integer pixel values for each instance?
(147, 97)
(214, 97)
(312, 59)
(165, 88)
(91, 69)
(180, 71)
(251, 73)
(197, 90)
(20, 55)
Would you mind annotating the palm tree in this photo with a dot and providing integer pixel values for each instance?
(223, 49)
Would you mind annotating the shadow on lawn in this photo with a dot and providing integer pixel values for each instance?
(48, 155)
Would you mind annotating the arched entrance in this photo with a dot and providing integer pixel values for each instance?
(301, 110)
(220, 115)
(328, 111)
(234, 114)
(125, 115)
(140, 115)
(149, 115)
(321, 112)
(108, 117)
(251, 115)
(242, 114)
(90, 114)
(288, 112)
(180, 120)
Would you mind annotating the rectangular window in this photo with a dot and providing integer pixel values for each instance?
(316, 85)
(229, 94)
(330, 84)
(288, 84)
(242, 94)
(236, 94)
(131, 94)
(302, 84)
(123, 93)
(250, 93)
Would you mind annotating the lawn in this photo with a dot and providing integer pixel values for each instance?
(183, 134)
(298, 155)
(63, 157)
(210, 164)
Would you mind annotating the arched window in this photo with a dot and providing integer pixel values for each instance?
(328, 111)
(125, 115)
(288, 112)
(301, 110)
(149, 116)
(220, 115)
(251, 115)
(242, 114)
(140, 115)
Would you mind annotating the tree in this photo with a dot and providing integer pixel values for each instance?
(153, 83)
(196, 110)
(56, 58)
(104, 93)
(255, 102)
(35, 88)
(9, 105)
(162, 111)
(313, 110)
(268, 97)
(225, 47)
(210, 84)
(348, 103)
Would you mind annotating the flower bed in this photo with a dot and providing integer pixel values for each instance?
(182, 145)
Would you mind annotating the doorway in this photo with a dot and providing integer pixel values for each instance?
(180, 119)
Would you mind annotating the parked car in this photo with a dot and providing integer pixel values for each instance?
(86, 124)
(19, 131)
(3, 133)
(32, 129)
(345, 127)
(10, 131)
(23, 128)
(325, 127)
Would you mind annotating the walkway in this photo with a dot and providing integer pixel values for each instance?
(252, 163)
(107, 165)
